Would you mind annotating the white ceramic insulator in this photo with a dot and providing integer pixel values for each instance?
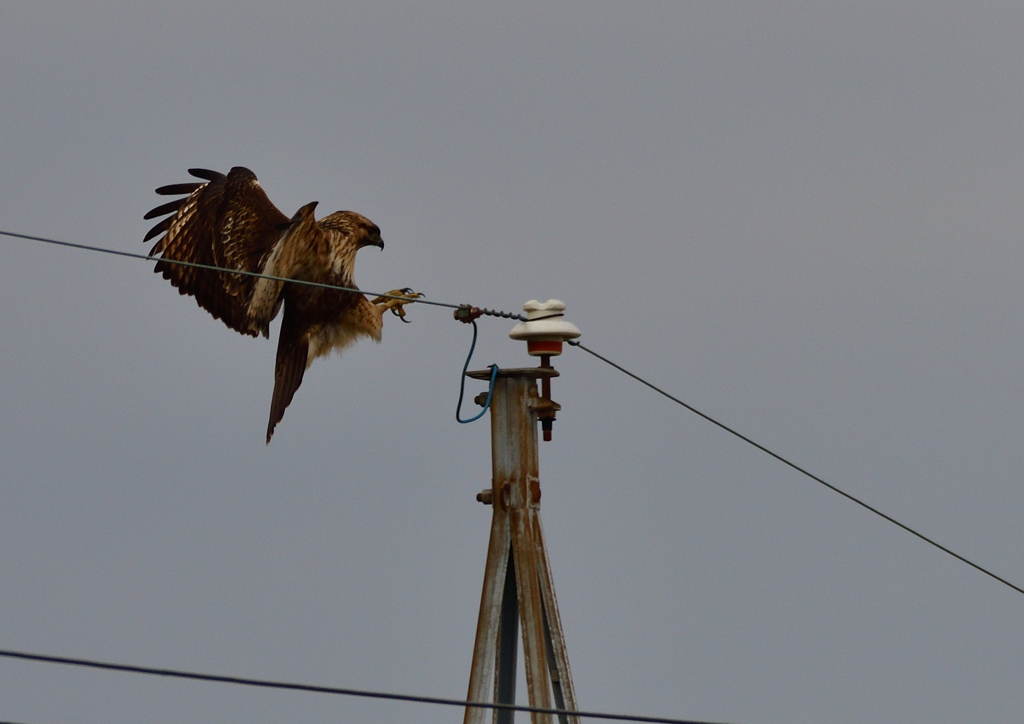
(544, 322)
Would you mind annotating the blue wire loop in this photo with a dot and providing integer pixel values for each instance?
(462, 387)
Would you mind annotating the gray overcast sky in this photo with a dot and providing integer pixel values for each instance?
(804, 219)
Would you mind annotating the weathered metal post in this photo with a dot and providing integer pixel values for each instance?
(517, 577)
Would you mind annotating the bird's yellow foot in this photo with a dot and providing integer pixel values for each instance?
(396, 299)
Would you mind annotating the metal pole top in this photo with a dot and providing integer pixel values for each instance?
(529, 373)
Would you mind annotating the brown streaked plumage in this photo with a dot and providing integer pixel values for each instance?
(229, 222)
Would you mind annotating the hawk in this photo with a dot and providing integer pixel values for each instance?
(228, 222)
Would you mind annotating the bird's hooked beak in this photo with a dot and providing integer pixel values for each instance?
(377, 242)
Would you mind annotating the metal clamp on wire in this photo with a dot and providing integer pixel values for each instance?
(467, 314)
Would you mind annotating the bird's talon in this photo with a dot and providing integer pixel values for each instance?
(396, 299)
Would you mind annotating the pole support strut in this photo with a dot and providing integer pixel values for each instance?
(517, 576)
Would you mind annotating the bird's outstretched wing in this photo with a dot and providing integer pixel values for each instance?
(229, 222)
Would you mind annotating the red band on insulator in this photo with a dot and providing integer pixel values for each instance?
(538, 347)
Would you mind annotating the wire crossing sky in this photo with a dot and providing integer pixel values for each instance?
(314, 689)
(210, 267)
(574, 343)
(799, 469)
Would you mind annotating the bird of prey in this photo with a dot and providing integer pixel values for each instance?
(228, 222)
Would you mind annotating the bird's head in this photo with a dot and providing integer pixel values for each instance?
(356, 226)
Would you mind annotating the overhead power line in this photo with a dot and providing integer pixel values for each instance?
(796, 467)
(210, 267)
(575, 343)
(311, 688)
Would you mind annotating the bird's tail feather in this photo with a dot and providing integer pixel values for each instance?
(292, 354)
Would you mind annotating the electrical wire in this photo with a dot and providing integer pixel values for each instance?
(310, 688)
(462, 386)
(257, 275)
(762, 448)
(574, 343)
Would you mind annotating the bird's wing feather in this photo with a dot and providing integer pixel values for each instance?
(227, 222)
(295, 243)
(292, 356)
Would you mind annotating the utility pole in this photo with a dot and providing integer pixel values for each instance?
(518, 589)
